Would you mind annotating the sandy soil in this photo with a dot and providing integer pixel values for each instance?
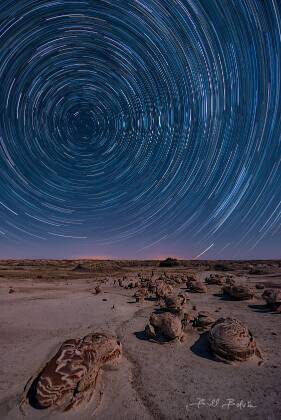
(53, 301)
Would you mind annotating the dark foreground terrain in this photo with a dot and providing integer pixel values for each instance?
(43, 303)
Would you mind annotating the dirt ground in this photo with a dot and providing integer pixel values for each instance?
(44, 303)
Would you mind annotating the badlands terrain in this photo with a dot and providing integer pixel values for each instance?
(158, 375)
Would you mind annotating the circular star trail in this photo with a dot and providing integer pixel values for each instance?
(139, 123)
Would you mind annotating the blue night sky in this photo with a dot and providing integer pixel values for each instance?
(140, 129)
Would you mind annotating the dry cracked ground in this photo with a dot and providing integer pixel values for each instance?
(43, 303)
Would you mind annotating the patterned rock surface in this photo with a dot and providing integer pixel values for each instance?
(70, 377)
(163, 290)
(166, 325)
(231, 340)
(175, 303)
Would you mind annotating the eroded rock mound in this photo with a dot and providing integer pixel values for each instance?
(175, 303)
(214, 279)
(165, 325)
(231, 340)
(190, 277)
(141, 294)
(196, 286)
(70, 377)
(230, 281)
(238, 292)
(189, 318)
(203, 320)
(162, 290)
(272, 298)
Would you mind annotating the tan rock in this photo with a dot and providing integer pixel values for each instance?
(163, 290)
(141, 294)
(231, 340)
(214, 279)
(272, 298)
(175, 303)
(196, 286)
(238, 292)
(166, 325)
(203, 320)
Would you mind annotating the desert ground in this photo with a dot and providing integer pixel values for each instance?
(43, 303)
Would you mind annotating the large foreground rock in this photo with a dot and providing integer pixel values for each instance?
(231, 340)
(70, 377)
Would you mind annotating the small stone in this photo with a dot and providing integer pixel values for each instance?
(97, 290)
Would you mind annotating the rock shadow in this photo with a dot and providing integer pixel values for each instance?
(31, 395)
(159, 339)
(201, 347)
(151, 299)
(141, 335)
(262, 308)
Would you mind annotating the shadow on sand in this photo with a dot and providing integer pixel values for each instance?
(159, 339)
(151, 299)
(225, 297)
(228, 298)
(141, 335)
(264, 308)
(201, 348)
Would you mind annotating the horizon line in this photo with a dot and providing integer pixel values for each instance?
(134, 259)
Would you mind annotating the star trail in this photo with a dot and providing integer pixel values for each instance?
(139, 128)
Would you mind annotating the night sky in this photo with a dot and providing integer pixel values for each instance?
(140, 128)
